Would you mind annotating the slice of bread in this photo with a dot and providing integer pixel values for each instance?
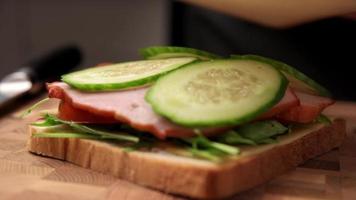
(192, 177)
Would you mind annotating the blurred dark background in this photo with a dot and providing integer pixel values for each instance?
(113, 31)
(322, 49)
(105, 31)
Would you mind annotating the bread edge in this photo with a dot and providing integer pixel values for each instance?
(186, 176)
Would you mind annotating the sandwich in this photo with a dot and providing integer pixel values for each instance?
(188, 122)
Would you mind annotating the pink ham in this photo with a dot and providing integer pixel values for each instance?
(129, 106)
(126, 106)
(288, 101)
(309, 109)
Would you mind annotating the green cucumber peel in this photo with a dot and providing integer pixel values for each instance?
(163, 52)
(159, 100)
(291, 73)
(123, 75)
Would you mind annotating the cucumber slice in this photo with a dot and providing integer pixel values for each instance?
(297, 79)
(217, 92)
(123, 75)
(161, 52)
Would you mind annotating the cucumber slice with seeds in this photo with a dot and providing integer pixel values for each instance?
(297, 79)
(123, 75)
(217, 92)
(160, 52)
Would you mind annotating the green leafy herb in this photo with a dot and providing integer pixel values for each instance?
(141, 144)
(48, 121)
(51, 120)
(31, 108)
(215, 150)
(65, 135)
(205, 154)
(232, 137)
(102, 134)
(231, 150)
(258, 131)
(202, 143)
(323, 119)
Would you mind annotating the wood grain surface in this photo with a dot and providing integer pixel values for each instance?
(27, 176)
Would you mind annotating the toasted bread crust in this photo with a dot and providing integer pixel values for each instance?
(192, 177)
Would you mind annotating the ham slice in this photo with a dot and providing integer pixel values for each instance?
(127, 106)
(67, 112)
(288, 101)
(309, 109)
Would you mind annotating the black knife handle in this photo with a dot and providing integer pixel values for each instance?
(53, 64)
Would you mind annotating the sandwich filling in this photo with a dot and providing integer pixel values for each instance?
(130, 107)
(202, 103)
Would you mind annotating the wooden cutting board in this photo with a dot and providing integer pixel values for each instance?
(26, 176)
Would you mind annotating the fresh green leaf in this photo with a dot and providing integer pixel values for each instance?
(141, 144)
(231, 150)
(199, 146)
(202, 147)
(48, 121)
(204, 154)
(323, 119)
(88, 130)
(261, 130)
(65, 135)
(203, 142)
(31, 108)
(162, 52)
(232, 137)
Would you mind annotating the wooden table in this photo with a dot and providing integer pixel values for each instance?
(26, 176)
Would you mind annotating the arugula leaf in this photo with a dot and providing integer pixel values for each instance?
(65, 135)
(103, 134)
(48, 121)
(231, 150)
(205, 154)
(261, 130)
(51, 119)
(34, 106)
(202, 142)
(323, 119)
(232, 137)
(141, 144)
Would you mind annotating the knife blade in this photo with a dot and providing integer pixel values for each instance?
(30, 79)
